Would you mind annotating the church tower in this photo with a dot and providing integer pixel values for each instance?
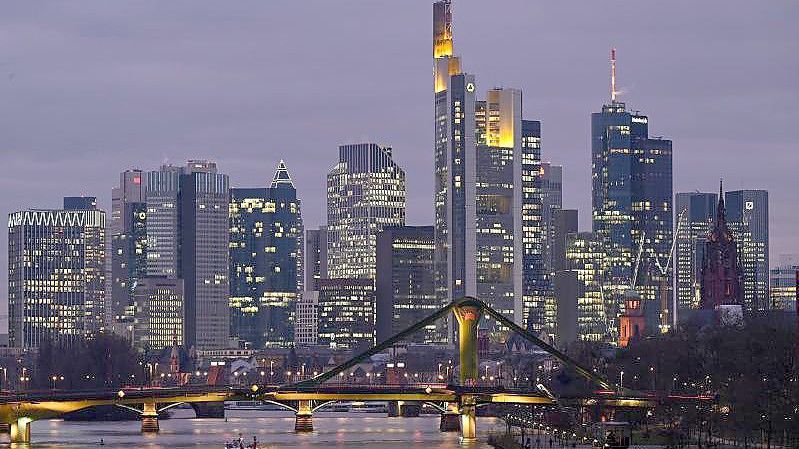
(721, 271)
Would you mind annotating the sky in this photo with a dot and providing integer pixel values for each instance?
(91, 88)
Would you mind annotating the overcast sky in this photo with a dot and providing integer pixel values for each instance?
(90, 88)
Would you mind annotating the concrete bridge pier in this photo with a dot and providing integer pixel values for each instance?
(394, 408)
(468, 422)
(303, 419)
(149, 418)
(450, 419)
(21, 430)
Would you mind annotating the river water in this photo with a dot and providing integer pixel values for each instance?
(273, 429)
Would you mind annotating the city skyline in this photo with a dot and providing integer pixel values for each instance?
(94, 171)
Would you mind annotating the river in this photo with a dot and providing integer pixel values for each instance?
(273, 429)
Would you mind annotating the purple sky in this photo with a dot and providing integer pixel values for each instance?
(88, 92)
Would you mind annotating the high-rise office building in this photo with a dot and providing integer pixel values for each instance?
(128, 235)
(187, 238)
(265, 261)
(551, 200)
(163, 220)
(783, 283)
(315, 257)
(56, 273)
(404, 283)
(562, 300)
(203, 259)
(536, 287)
(632, 208)
(346, 313)
(747, 215)
(585, 256)
(365, 193)
(487, 199)
(695, 214)
(306, 327)
(158, 311)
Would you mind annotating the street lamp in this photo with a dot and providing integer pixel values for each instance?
(621, 380)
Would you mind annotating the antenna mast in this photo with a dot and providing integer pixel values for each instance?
(613, 75)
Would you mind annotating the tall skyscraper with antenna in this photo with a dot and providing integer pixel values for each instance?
(488, 236)
(631, 175)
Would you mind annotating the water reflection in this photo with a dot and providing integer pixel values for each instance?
(273, 430)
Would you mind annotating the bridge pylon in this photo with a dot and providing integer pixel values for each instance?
(21, 430)
(303, 418)
(468, 314)
(468, 411)
(149, 418)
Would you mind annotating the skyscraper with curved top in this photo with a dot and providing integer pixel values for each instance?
(365, 193)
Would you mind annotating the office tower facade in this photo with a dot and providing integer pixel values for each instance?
(563, 223)
(56, 274)
(695, 215)
(551, 201)
(315, 257)
(721, 268)
(266, 240)
(536, 287)
(158, 311)
(128, 235)
(203, 266)
(346, 313)
(585, 255)
(306, 329)
(404, 283)
(365, 193)
(565, 285)
(163, 220)
(747, 215)
(783, 283)
(487, 198)
(632, 208)
(187, 238)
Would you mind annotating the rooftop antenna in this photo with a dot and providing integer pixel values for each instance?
(613, 74)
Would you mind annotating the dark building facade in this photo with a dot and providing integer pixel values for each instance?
(346, 313)
(265, 261)
(203, 255)
(315, 257)
(721, 269)
(404, 283)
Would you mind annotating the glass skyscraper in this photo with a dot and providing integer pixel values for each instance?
(128, 246)
(404, 283)
(365, 193)
(488, 237)
(585, 256)
(266, 241)
(747, 215)
(187, 238)
(56, 274)
(632, 212)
